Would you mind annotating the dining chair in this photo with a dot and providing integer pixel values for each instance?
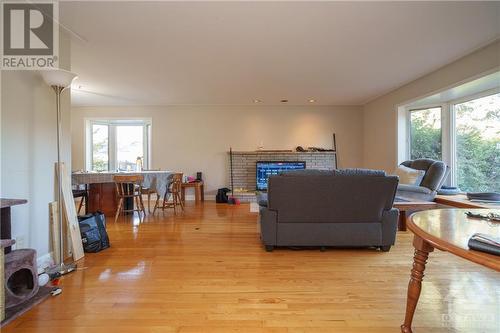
(129, 187)
(151, 189)
(174, 190)
(82, 192)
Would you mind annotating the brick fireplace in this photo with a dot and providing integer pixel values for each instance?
(244, 166)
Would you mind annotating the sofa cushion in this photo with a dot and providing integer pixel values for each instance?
(414, 193)
(408, 175)
(413, 188)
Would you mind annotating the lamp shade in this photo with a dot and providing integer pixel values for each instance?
(57, 77)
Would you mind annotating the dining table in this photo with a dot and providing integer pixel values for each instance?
(102, 191)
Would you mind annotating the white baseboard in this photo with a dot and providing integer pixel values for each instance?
(189, 197)
(254, 207)
(43, 262)
(208, 197)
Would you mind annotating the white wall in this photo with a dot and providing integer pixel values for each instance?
(380, 115)
(197, 138)
(28, 150)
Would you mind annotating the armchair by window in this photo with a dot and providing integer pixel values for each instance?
(436, 173)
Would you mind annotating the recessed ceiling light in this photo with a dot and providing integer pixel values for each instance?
(257, 101)
(284, 101)
(312, 100)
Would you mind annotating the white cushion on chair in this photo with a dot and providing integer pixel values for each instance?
(409, 176)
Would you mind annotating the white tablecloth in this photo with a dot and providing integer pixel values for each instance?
(163, 178)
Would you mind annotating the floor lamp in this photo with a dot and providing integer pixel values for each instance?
(59, 80)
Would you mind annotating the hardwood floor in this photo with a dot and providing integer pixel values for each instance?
(205, 271)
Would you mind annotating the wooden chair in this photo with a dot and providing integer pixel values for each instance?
(174, 190)
(83, 193)
(149, 191)
(129, 187)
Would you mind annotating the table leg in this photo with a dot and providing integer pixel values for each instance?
(402, 220)
(183, 194)
(197, 194)
(202, 190)
(422, 250)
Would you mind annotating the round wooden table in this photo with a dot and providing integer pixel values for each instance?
(446, 230)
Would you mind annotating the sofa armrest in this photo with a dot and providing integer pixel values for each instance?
(389, 226)
(268, 226)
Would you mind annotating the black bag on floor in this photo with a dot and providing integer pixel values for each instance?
(93, 232)
(222, 195)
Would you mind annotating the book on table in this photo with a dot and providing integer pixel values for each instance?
(485, 243)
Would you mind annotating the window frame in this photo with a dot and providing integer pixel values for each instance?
(444, 128)
(112, 123)
(453, 137)
(90, 144)
(448, 130)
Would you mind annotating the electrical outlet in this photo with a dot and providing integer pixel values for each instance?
(20, 242)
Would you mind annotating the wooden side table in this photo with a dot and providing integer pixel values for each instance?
(199, 190)
(461, 201)
(406, 207)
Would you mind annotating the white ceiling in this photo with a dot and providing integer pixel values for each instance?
(230, 53)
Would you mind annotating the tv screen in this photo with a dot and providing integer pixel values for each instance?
(266, 169)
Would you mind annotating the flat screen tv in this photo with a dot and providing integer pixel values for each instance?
(269, 168)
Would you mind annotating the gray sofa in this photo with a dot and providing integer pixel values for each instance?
(345, 208)
(435, 175)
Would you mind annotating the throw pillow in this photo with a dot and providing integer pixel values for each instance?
(409, 176)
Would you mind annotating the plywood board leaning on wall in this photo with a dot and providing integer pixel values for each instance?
(69, 212)
(55, 239)
(54, 231)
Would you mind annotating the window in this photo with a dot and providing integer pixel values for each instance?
(425, 133)
(116, 144)
(100, 147)
(129, 146)
(477, 128)
(465, 134)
